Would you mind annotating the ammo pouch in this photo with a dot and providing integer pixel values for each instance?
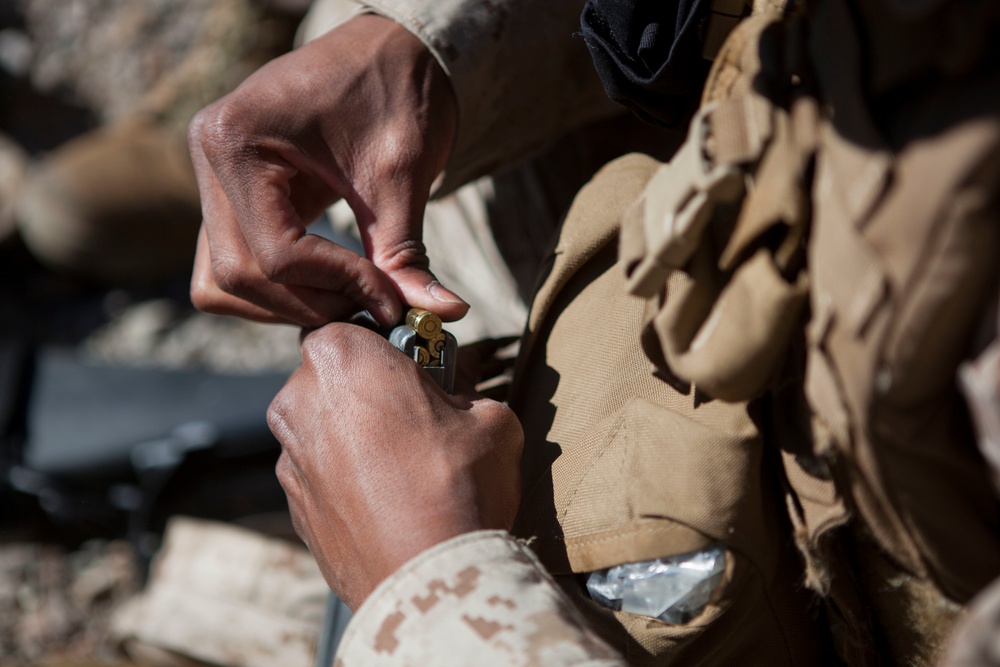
(903, 260)
(888, 226)
(620, 467)
(723, 224)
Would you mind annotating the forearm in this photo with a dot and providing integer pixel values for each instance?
(481, 594)
(520, 76)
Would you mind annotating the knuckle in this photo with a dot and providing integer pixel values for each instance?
(401, 149)
(353, 272)
(230, 274)
(279, 419)
(502, 421)
(197, 127)
(219, 128)
(310, 344)
(207, 296)
(326, 344)
(409, 253)
(208, 303)
(204, 295)
(204, 130)
(364, 281)
(285, 473)
(194, 131)
(275, 265)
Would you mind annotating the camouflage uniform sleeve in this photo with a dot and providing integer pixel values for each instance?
(481, 596)
(521, 76)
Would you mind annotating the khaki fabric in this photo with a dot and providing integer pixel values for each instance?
(619, 466)
(903, 260)
(520, 76)
(891, 320)
(714, 242)
(832, 274)
(897, 211)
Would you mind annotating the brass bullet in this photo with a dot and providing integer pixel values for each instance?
(436, 345)
(424, 322)
(421, 356)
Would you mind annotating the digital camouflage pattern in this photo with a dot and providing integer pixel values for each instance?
(481, 596)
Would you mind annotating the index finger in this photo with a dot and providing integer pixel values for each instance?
(259, 241)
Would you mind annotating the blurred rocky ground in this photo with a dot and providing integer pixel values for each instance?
(69, 66)
(66, 68)
(56, 605)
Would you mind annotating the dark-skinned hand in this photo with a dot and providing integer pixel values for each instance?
(379, 464)
(363, 113)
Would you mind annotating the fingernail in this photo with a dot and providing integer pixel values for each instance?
(442, 294)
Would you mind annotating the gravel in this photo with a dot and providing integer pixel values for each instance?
(112, 58)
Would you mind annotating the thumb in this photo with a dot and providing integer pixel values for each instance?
(419, 288)
(392, 240)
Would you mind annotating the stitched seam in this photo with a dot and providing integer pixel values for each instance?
(624, 533)
(619, 423)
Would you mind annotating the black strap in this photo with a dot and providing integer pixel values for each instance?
(648, 54)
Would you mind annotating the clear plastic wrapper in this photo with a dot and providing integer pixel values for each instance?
(673, 589)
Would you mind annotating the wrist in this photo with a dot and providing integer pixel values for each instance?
(408, 540)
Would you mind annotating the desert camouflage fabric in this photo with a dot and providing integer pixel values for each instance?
(482, 594)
